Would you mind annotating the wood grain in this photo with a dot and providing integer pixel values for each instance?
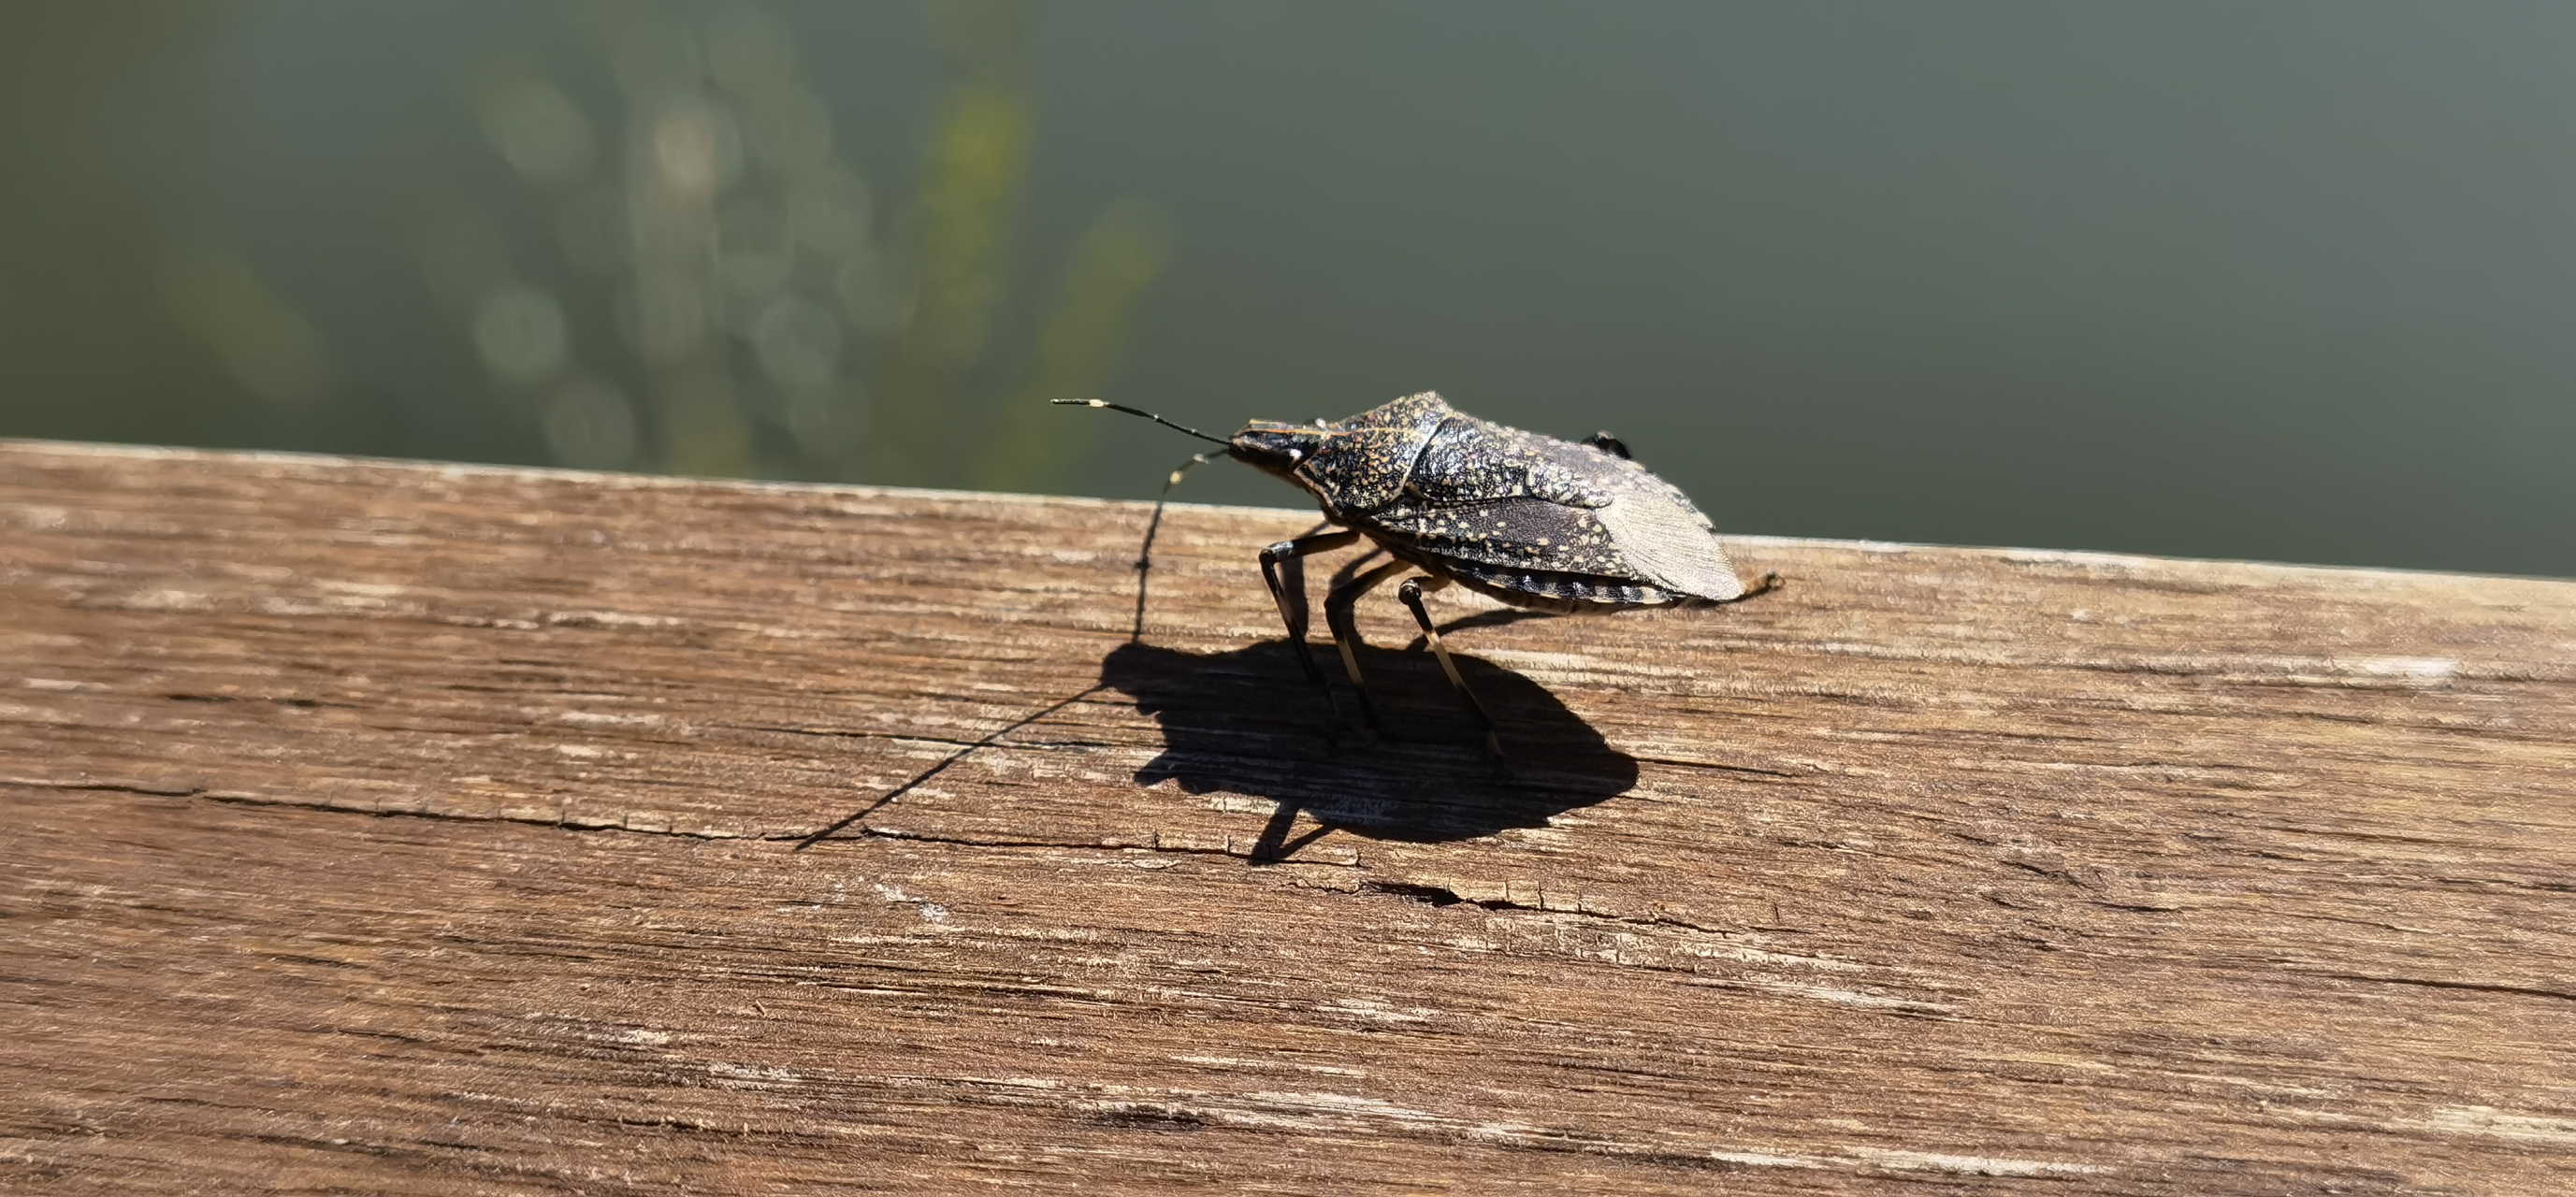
(385, 827)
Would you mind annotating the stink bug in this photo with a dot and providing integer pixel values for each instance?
(1569, 526)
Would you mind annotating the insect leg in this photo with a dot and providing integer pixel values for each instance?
(1145, 556)
(1346, 630)
(1608, 444)
(1411, 594)
(1283, 566)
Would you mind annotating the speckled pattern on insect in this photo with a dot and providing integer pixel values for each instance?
(1531, 520)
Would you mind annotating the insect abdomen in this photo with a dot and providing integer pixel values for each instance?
(1549, 591)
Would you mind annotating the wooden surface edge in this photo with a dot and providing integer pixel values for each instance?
(449, 836)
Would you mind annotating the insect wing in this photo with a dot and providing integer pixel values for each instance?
(1473, 461)
(1644, 534)
(1664, 539)
(1518, 533)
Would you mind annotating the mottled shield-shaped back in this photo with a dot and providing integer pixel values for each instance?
(1363, 461)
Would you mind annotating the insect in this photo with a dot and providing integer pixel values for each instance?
(1536, 522)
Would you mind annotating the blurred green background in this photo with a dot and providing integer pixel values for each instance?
(2292, 281)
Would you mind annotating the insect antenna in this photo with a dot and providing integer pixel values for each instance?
(1145, 555)
(1148, 415)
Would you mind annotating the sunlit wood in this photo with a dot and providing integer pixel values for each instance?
(381, 827)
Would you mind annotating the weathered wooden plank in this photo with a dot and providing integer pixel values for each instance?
(1972, 870)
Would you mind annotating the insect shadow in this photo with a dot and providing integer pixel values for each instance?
(1228, 727)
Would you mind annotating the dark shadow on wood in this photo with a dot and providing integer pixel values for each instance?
(845, 821)
(1248, 722)
(1499, 617)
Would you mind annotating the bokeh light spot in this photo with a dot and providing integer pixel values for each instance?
(797, 342)
(519, 333)
(537, 130)
(590, 425)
